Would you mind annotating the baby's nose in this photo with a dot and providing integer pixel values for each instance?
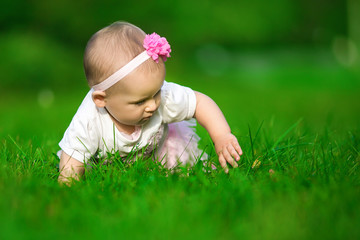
(152, 106)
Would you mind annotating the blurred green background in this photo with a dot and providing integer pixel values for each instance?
(266, 63)
(276, 60)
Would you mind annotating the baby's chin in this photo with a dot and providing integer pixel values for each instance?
(144, 121)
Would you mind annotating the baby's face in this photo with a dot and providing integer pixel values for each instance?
(138, 98)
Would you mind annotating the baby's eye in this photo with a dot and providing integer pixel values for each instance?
(140, 103)
(158, 93)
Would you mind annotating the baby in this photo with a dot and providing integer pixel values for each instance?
(131, 108)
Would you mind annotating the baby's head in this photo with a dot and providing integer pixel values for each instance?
(125, 67)
(113, 47)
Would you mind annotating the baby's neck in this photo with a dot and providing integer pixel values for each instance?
(125, 128)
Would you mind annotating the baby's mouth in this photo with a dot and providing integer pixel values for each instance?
(146, 118)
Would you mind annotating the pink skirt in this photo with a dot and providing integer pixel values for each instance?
(181, 145)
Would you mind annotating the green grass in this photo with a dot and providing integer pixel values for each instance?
(307, 186)
(313, 193)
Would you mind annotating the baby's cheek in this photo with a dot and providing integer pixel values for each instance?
(158, 101)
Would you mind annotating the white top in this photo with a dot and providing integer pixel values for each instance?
(92, 130)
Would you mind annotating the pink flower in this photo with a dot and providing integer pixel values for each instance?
(157, 46)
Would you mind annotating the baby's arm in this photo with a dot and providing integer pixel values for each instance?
(209, 115)
(70, 169)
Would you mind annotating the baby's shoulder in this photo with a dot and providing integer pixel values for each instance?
(170, 88)
(171, 91)
(87, 111)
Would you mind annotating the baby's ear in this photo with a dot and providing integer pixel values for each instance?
(99, 98)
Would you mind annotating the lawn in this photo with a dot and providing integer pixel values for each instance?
(296, 114)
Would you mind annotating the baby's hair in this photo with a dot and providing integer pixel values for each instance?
(111, 48)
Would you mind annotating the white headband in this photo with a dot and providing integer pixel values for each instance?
(122, 72)
(155, 46)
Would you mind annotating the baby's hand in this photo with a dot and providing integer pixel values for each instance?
(228, 149)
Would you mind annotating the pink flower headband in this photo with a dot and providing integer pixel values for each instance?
(154, 45)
